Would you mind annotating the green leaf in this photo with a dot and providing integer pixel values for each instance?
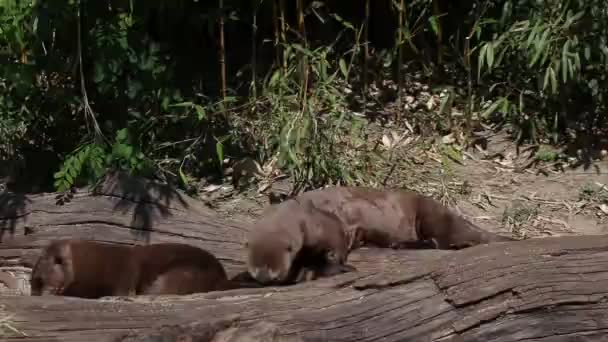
(69, 178)
(219, 150)
(492, 108)
(532, 35)
(99, 73)
(57, 184)
(553, 81)
(546, 79)
(121, 135)
(481, 59)
(124, 150)
(133, 89)
(434, 24)
(540, 47)
(564, 61)
(183, 104)
(185, 180)
(490, 55)
(200, 112)
(165, 103)
(505, 106)
(74, 172)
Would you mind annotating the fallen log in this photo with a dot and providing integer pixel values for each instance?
(550, 289)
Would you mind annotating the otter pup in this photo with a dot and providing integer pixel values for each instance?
(291, 240)
(91, 269)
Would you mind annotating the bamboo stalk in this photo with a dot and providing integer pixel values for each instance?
(283, 37)
(254, 33)
(276, 24)
(222, 54)
(437, 14)
(401, 26)
(365, 55)
(304, 58)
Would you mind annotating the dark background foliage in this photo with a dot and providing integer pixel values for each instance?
(150, 96)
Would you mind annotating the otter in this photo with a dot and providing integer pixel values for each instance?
(398, 219)
(293, 239)
(9, 281)
(92, 269)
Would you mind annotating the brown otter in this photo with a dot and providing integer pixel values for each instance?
(91, 269)
(8, 280)
(293, 238)
(398, 218)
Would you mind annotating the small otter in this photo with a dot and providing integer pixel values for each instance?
(293, 238)
(91, 269)
(398, 219)
(8, 280)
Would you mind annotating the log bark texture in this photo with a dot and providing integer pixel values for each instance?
(550, 289)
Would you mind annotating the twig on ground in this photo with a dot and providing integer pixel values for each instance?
(557, 221)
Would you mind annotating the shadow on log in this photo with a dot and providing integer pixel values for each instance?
(551, 289)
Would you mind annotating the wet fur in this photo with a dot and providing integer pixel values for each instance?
(398, 219)
(90, 269)
(294, 236)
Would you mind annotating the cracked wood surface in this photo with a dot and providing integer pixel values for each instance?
(550, 289)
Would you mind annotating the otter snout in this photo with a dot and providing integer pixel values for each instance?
(266, 275)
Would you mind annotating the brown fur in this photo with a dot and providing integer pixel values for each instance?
(8, 280)
(90, 269)
(292, 236)
(398, 219)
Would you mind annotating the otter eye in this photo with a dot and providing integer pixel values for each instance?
(289, 249)
(58, 261)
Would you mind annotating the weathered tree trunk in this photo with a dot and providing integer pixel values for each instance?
(551, 289)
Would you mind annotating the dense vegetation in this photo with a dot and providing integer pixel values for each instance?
(182, 89)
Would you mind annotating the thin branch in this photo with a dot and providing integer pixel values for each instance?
(88, 111)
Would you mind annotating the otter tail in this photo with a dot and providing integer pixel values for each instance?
(477, 235)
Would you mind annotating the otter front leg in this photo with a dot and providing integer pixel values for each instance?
(336, 264)
(322, 271)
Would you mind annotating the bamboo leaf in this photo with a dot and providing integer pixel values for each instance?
(553, 81)
(434, 24)
(481, 59)
(219, 150)
(343, 67)
(546, 79)
(505, 106)
(540, 47)
(587, 52)
(532, 35)
(490, 55)
(492, 108)
(200, 112)
(182, 104)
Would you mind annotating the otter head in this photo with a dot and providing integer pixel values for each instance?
(53, 270)
(270, 256)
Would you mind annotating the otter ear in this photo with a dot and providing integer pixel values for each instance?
(246, 244)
